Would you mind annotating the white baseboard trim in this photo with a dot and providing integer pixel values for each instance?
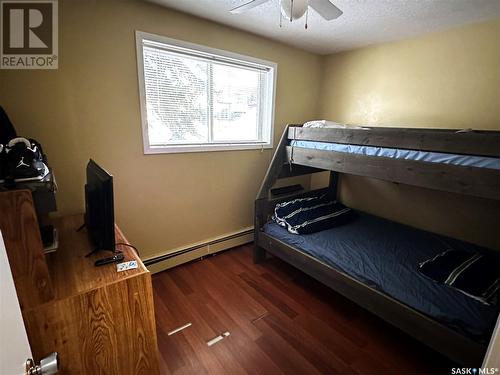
(186, 254)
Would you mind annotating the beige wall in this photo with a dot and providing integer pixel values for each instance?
(90, 108)
(448, 79)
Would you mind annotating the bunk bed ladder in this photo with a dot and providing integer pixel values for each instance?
(279, 168)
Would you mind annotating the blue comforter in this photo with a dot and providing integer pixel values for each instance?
(386, 255)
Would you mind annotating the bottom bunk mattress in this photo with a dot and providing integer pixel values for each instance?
(386, 256)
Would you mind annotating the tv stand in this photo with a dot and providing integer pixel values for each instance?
(97, 319)
(96, 251)
(79, 229)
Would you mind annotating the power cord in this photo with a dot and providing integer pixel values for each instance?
(129, 245)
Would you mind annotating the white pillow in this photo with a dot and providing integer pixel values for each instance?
(330, 124)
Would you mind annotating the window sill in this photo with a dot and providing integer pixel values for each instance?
(151, 150)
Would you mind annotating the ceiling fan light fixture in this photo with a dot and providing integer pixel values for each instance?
(293, 9)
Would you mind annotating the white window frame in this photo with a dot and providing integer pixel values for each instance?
(211, 53)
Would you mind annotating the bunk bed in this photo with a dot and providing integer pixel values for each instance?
(374, 262)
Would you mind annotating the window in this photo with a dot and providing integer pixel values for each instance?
(195, 98)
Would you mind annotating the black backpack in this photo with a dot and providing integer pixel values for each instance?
(7, 130)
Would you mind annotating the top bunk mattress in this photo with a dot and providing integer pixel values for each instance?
(396, 153)
(386, 255)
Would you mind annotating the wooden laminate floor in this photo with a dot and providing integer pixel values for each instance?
(280, 322)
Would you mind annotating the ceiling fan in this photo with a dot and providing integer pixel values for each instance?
(295, 9)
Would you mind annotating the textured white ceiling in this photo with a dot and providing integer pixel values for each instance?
(364, 22)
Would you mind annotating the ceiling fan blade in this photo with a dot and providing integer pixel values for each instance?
(325, 9)
(247, 6)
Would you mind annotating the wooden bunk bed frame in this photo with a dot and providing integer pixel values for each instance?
(480, 182)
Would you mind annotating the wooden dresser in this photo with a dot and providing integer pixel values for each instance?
(100, 321)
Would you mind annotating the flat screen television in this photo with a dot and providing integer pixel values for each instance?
(99, 208)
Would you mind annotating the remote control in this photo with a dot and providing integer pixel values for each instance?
(115, 258)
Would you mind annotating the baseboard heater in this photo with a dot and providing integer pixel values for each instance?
(174, 254)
